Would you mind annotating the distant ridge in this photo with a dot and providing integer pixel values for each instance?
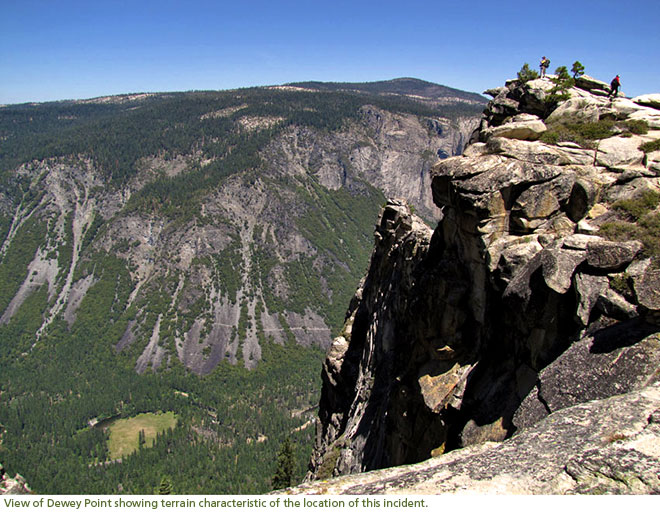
(403, 86)
(413, 88)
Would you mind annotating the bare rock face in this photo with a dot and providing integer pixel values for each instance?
(403, 238)
(589, 83)
(522, 126)
(648, 100)
(516, 307)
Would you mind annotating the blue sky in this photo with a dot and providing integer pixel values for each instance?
(60, 49)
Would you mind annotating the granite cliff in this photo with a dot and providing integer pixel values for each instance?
(536, 293)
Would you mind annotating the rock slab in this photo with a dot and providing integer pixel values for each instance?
(572, 451)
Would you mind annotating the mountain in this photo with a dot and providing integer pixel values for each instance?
(520, 336)
(413, 88)
(190, 253)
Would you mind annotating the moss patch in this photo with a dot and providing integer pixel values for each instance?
(329, 462)
(639, 220)
(585, 134)
(649, 147)
(639, 206)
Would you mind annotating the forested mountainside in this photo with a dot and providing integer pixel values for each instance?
(419, 90)
(517, 344)
(189, 253)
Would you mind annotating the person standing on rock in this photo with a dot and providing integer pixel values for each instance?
(545, 64)
(615, 84)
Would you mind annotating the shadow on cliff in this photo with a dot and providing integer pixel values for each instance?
(624, 334)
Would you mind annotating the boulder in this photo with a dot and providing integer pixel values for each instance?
(522, 127)
(559, 266)
(634, 188)
(577, 110)
(610, 256)
(495, 91)
(577, 155)
(533, 97)
(579, 241)
(475, 149)
(587, 289)
(589, 83)
(460, 167)
(619, 152)
(509, 173)
(613, 305)
(500, 108)
(647, 288)
(614, 360)
(442, 383)
(648, 100)
(624, 106)
(544, 199)
(538, 84)
(538, 152)
(598, 92)
(513, 257)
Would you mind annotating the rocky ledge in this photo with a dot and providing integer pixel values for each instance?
(572, 451)
(537, 291)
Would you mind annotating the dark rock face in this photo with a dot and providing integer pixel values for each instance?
(615, 360)
(513, 309)
(402, 242)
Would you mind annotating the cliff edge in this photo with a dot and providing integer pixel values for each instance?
(537, 292)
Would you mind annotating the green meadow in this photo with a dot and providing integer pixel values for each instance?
(125, 433)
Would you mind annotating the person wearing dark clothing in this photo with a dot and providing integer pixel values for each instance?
(545, 64)
(615, 84)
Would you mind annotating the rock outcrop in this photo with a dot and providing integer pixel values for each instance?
(525, 300)
(573, 451)
(16, 485)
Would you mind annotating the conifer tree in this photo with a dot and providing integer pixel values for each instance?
(577, 69)
(562, 73)
(285, 466)
(526, 73)
(165, 485)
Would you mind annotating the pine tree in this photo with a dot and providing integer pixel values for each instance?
(577, 69)
(165, 485)
(526, 73)
(285, 466)
(562, 73)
